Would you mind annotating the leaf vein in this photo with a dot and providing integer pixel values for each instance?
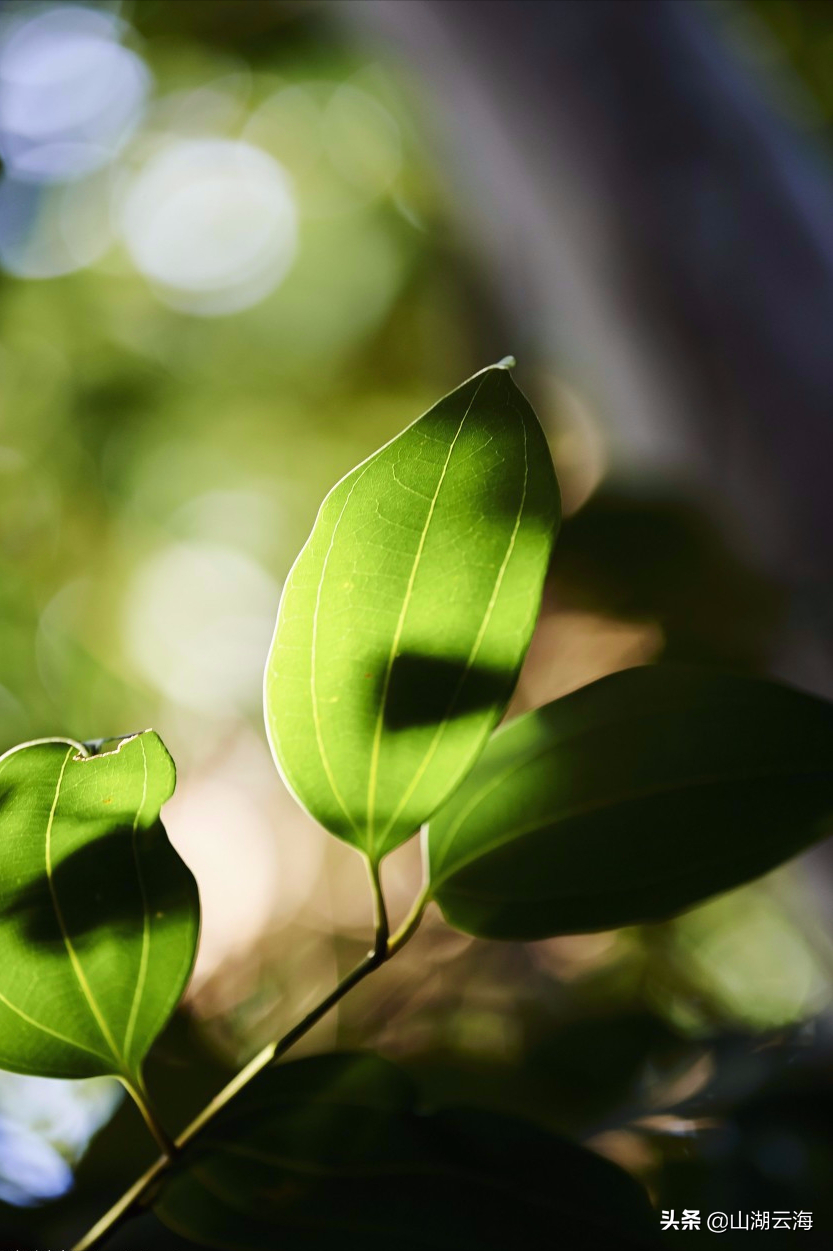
(77, 967)
(481, 633)
(46, 1029)
(145, 954)
(372, 782)
(570, 812)
(325, 760)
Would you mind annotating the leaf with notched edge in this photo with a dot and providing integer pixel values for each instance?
(99, 917)
(632, 799)
(406, 617)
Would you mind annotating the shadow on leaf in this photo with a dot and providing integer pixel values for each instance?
(425, 690)
(95, 888)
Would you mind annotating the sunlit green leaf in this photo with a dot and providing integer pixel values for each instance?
(406, 617)
(631, 799)
(98, 914)
(333, 1152)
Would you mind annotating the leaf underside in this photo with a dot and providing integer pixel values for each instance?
(98, 915)
(406, 617)
(333, 1151)
(632, 799)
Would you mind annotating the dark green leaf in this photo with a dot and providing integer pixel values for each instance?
(405, 619)
(333, 1152)
(631, 799)
(98, 915)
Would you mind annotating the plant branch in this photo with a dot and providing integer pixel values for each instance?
(143, 1191)
(130, 1201)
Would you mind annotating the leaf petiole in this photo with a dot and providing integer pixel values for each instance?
(139, 1095)
(142, 1192)
(411, 923)
(380, 911)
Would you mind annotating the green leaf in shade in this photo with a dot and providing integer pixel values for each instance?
(406, 617)
(98, 915)
(332, 1151)
(629, 800)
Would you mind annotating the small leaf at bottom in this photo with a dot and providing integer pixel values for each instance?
(332, 1151)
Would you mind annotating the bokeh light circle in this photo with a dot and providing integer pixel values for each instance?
(198, 620)
(211, 223)
(70, 93)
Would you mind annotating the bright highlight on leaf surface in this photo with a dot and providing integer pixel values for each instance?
(408, 613)
(333, 1151)
(99, 917)
(631, 799)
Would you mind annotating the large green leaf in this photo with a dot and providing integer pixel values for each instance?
(332, 1151)
(98, 914)
(630, 799)
(406, 617)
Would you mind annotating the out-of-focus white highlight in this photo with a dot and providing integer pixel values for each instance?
(70, 94)
(45, 1128)
(249, 847)
(211, 223)
(198, 621)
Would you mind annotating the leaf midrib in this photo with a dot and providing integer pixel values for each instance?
(372, 782)
(144, 957)
(74, 960)
(583, 809)
(30, 1020)
(520, 760)
(481, 634)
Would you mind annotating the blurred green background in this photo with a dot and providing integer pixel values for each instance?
(235, 259)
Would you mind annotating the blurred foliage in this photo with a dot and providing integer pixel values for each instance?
(159, 470)
(800, 36)
(337, 1149)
